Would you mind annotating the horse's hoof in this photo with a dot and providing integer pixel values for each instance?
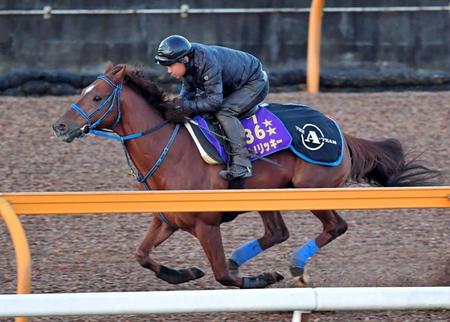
(274, 277)
(301, 281)
(300, 277)
(262, 280)
(280, 276)
(196, 273)
(177, 276)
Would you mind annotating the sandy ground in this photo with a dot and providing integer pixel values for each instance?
(93, 253)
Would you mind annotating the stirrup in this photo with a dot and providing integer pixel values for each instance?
(230, 175)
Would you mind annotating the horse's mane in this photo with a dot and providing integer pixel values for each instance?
(135, 79)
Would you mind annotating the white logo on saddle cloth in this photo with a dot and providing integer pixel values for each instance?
(312, 137)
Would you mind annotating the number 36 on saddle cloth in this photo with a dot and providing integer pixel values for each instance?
(308, 133)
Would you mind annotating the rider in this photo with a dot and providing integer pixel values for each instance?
(218, 80)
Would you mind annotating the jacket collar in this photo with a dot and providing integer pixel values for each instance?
(190, 66)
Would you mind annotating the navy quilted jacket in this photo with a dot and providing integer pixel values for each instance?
(215, 72)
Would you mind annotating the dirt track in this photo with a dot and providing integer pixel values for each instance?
(94, 253)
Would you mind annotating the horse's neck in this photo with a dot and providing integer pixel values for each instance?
(138, 116)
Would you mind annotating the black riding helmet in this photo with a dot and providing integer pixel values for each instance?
(172, 50)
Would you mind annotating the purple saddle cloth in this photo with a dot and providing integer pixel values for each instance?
(307, 132)
(265, 134)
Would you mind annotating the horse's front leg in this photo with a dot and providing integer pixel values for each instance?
(211, 240)
(157, 233)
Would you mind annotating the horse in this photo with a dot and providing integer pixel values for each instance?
(123, 101)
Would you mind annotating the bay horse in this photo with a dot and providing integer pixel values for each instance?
(133, 107)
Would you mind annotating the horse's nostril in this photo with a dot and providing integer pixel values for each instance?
(60, 128)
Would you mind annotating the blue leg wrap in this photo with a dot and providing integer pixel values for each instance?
(246, 252)
(301, 255)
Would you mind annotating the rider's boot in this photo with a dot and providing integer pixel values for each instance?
(241, 166)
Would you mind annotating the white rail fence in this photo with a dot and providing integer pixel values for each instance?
(288, 299)
(185, 9)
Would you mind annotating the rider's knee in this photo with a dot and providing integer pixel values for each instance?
(225, 113)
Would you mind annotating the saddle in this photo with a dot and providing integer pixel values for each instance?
(270, 128)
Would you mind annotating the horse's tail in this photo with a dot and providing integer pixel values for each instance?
(383, 163)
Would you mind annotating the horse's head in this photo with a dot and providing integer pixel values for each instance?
(98, 106)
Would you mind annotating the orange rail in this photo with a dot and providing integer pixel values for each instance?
(313, 54)
(66, 203)
(23, 258)
(61, 203)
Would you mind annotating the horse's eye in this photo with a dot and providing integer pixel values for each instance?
(97, 98)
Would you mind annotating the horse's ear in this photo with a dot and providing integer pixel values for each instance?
(109, 66)
(119, 74)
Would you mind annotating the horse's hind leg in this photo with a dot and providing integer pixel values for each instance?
(275, 232)
(157, 233)
(333, 226)
(211, 241)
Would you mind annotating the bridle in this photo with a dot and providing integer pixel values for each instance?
(114, 100)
